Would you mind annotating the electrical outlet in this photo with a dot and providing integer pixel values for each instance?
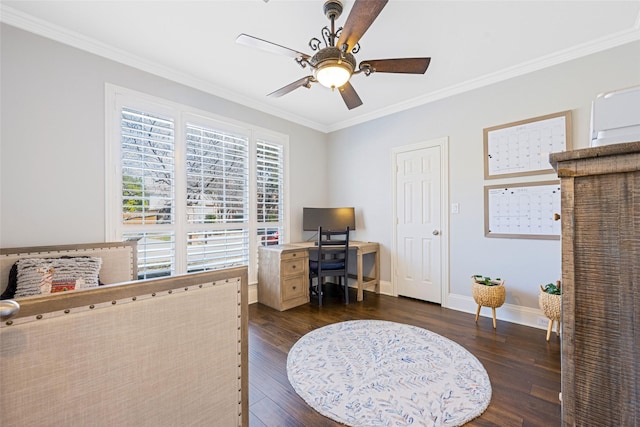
(543, 321)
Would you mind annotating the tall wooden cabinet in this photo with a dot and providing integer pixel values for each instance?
(601, 285)
(283, 276)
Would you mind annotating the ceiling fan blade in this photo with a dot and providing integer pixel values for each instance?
(403, 65)
(305, 81)
(349, 96)
(251, 41)
(362, 15)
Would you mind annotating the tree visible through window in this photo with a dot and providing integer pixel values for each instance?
(269, 176)
(148, 180)
(217, 174)
(184, 192)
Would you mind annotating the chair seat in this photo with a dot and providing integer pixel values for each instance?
(335, 265)
(330, 259)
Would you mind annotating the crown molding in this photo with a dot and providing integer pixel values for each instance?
(576, 52)
(18, 19)
(43, 28)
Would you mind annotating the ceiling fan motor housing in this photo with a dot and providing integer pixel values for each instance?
(333, 55)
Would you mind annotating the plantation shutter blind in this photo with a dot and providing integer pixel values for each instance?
(270, 188)
(217, 198)
(270, 178)
(148, 183)
(147, 167)
(195, 191)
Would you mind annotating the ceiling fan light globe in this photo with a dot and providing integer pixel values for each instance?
(332, 67)
(333, 75)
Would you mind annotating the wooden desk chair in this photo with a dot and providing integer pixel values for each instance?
(329, 259)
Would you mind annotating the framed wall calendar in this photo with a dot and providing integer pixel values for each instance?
(522, 148)
(527, 210)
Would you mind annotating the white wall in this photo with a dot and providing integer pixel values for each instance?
(363, 160)
(52, 140)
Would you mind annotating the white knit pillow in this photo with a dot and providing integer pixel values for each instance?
(44, 275)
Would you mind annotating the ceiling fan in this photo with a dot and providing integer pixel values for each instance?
(334, 64)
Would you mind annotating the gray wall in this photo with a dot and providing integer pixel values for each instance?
(52, 153)
(363, 159)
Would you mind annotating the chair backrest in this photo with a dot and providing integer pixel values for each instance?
(332, 246)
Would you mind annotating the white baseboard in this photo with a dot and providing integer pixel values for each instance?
(386, 288)
(253, 293)
(526, 316)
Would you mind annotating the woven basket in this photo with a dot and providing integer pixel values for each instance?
(550, 305)
(488, 296)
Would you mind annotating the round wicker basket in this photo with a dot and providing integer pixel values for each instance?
(550, 305)
(489, 296)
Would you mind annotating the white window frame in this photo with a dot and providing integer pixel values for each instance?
(115, 98)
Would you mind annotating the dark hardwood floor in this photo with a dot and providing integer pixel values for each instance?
(523, 367)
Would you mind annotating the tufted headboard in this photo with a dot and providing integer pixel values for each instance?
(119, 259)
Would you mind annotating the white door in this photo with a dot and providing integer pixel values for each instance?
(418, 233)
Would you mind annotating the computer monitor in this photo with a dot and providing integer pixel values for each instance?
(330, 219)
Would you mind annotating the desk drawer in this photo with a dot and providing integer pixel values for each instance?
(293, 287)
(292, 267)
(285, 256)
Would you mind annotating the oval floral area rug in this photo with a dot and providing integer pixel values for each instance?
(379, 373)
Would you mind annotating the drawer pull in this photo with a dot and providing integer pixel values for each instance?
(294, 255)
(294, 288)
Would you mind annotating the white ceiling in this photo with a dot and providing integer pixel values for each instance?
(471, 43)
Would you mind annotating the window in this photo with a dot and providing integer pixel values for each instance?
(270, 182)
(196, 192)
(217, 199)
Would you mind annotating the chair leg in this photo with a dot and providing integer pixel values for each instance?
(318, 289)
(346, 289)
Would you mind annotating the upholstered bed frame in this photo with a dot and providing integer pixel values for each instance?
(167, 351)
(118, 259)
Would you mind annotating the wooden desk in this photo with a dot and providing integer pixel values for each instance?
(283, 276)
(361, 248)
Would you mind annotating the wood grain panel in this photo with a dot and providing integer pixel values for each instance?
(601, 296)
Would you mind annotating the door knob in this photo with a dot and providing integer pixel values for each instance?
(436, 232)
